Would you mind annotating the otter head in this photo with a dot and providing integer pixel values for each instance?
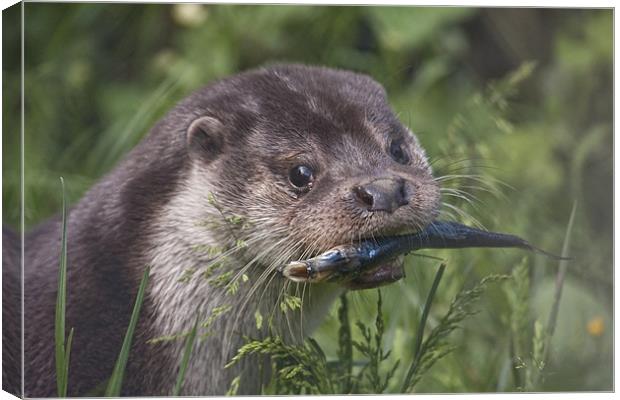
(307, 159)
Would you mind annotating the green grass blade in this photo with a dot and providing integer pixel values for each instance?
(559, 283)
(345, 345)
(189, 344)
(420, 334)
(116, 380)
(61, 297)
(67, 360)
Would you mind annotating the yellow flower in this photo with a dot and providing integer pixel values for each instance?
(596, 326)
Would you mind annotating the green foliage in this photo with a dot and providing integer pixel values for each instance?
(518, 295)
(529, 345)
(369, 379)
(216, 313)
(436, 346)
(290, 302)
(297, 369)
(305, 369)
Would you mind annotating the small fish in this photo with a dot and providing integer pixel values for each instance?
(348, 261)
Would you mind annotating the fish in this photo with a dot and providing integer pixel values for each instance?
(345, 262)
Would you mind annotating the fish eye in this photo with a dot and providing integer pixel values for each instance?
(301, 176)
(398, 153)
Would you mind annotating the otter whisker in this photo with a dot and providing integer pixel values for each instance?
(261, 277)
(467, 200)
(244, 269)
(464, 214)
(434, 160)
(482, 179)
(269, 270)
(470, 199)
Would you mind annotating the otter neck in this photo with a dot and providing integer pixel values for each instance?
(189, 275)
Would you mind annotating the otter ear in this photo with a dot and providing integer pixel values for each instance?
(205, 138)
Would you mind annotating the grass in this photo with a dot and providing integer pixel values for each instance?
(559, 285)
(187, 352)
(116, 380)
(306, 369)
(63, 349)
(407, 383)
(561, 275)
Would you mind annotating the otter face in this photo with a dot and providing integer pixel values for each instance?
(313, 158)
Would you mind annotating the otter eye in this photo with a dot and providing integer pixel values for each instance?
(301, 176)
(398, 153)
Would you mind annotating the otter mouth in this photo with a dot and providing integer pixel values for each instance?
(343, 265)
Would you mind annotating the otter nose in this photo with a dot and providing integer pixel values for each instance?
(383, 194)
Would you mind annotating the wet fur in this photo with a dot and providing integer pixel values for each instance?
(152, 208)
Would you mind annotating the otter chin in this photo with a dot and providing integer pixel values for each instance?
(275, 164)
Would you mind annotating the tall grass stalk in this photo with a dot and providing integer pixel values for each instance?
(559, 284)
(420, 334)
(518, 295)
(345, 345)
(116, 380)
(63, 350)
(189, 345)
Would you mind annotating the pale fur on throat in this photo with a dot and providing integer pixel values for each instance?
(178, 242)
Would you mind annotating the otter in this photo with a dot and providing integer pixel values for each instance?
(253, 171)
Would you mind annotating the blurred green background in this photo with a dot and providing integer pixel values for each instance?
(98, 76)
